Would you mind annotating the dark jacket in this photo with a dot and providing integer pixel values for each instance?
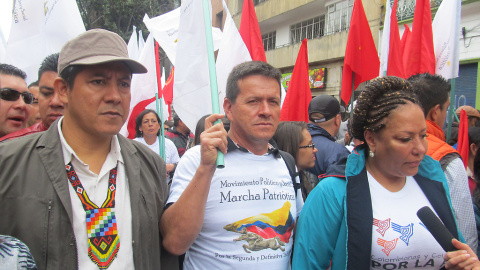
(36, 206)
(181, 141)
(329, 152)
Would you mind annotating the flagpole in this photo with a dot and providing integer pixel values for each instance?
(212, 71)
(452, 105)
(351, 97)
(161, 135)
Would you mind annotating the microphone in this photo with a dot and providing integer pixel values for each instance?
(436, 228)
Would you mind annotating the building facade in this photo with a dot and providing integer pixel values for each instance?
(284, 24)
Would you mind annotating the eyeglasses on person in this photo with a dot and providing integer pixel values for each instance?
(312, 145)
(10, 94)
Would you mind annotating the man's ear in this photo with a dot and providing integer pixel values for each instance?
(60, 86)
(370, 139)
(227, 107)
(473, 149)
(338, 120)
(434, 113)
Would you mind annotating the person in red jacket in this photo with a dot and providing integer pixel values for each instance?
(433, 92)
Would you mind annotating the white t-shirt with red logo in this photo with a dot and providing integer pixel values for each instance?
(399, 238)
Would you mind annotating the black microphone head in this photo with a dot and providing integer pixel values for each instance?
(436, 228)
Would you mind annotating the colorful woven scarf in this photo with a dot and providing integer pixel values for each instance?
(103, 240)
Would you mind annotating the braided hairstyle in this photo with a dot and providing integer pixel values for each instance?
(380, 97)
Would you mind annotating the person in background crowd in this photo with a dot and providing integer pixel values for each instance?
(167, 125)
(325, 119)
(476, 193)
(249, 208)
(50, 107)
(15, 99)
(472, 114)
(294, 138)
(147, 130)
(180, 135)
(59, 187)
(201, 127)
(433, 93)
(474, 144)
(368, 217)
(34, 113)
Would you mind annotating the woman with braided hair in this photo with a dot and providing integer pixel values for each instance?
(367, 218)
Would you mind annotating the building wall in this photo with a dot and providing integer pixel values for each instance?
(323, 52)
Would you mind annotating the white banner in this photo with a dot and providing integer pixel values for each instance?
(132, 45)
(232, 52)
(446, 35)
(191, 88)
(165, 31)
(40, 28)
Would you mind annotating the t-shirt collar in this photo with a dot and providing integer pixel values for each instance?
(272, 147)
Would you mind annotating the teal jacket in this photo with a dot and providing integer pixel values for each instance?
(337, 229)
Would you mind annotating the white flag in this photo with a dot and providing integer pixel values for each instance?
(141, 41)
(385, 41)
(446, 35)
(232, 52)
(40, 28)
(3, 47)
(191, 88)
(143, 87)
(165, 31)
(132, 45)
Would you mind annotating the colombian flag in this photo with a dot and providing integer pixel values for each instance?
(277, 223)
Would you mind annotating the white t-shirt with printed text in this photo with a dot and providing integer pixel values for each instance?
(250, 213)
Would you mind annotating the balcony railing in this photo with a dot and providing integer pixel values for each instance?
(406, 8)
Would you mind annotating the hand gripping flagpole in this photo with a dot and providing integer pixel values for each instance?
(213, 75)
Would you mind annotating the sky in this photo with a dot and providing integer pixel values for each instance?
(6, 7)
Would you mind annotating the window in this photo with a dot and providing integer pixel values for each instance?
(256, 2)
(269, 40)
(308, 29)
(338, 16)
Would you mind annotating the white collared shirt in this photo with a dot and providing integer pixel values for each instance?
(96, 187)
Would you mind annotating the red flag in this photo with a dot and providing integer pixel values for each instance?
(361, 56)
(463, 145)
(295, 105)
(159, 72)
(406, 34)
(395, 60)
(250, 32)
(419, 54)
(168, 92)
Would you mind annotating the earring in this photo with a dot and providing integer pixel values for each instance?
(371, 153)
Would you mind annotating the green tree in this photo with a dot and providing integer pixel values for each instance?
(120, 15)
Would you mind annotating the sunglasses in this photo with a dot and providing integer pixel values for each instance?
(10, 94)
(312, 145)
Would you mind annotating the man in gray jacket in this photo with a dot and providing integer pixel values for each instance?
(79, 195)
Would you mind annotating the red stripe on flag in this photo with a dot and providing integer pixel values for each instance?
(140, 107)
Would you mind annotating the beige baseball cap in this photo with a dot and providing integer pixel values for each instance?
(469, 110)
(96, 46)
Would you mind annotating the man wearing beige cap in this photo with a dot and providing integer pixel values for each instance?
(79, 195)
(472, 114)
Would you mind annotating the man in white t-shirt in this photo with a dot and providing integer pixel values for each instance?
(241, 216)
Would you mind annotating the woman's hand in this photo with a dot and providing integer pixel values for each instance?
(463, 258)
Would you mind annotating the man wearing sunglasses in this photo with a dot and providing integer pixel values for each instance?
(325, 119)
(15, 99)
(50, 107)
